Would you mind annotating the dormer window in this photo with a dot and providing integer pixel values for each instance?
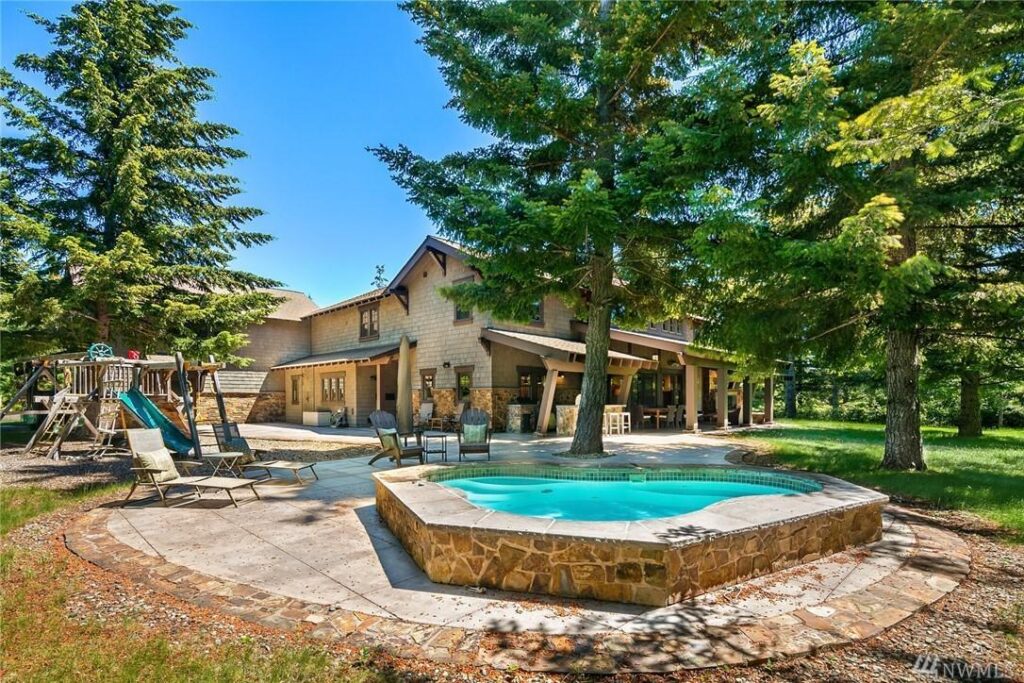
(369, 322)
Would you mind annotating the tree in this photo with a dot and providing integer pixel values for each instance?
(379, 278)
(888, 195)
(607, 125)
(117, 221)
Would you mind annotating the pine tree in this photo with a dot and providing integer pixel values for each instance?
(889, 201)
(606, 127)
(117, 221)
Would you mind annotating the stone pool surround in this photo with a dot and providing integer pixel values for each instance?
(649, 562)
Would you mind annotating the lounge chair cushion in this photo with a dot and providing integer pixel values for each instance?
(474, 433)
(159, 459)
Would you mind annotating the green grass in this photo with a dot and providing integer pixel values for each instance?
(982, 475)
(20, 504)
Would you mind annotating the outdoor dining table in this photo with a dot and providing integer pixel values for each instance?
(655, 413)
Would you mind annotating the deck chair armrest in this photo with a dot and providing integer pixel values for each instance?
(189, 465)
(147, 470)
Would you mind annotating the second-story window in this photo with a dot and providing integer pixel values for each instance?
(462, 314)
(537, 316)
(369, 322)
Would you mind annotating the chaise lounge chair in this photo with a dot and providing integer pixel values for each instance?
(153, 466)
(229, 439)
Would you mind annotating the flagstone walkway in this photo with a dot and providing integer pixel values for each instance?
(318, 555)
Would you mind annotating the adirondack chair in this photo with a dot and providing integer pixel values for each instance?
(394, 445)
(474, 433)
(426, 415)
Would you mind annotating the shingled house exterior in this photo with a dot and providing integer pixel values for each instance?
(351, 364)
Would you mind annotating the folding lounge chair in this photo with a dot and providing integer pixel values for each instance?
(154, 467)
(229, 439)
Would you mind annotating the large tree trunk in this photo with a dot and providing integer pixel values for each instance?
(590, 420)
(970, 404)
(790, 392)
(903, 448)
(102, 322)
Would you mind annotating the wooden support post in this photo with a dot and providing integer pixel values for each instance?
(197, 449)
(769, 399)
(547, 402)
(722, 398)
(378, 376)
(221, 408)
(627, 384)
(747, 415)
(23, 390)
(692, 394)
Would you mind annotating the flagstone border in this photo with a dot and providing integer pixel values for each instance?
(939, 562)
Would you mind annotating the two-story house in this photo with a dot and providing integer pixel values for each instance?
(461, 355)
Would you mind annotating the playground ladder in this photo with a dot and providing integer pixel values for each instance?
(58, 424)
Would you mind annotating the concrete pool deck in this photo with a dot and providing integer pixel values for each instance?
(318, 555)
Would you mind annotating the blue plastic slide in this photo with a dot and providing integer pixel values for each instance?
(152, 417)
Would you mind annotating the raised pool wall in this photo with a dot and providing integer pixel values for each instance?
(652, 562)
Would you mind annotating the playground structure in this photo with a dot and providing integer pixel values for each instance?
(102, 392)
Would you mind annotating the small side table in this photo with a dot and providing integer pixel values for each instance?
(224, 462)
(436, 443)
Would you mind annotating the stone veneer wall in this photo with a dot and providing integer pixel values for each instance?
(266, 406)
(619, 570)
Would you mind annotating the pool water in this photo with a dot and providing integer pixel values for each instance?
(602, 500)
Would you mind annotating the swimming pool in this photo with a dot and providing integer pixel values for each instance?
(623, 499)
(645, 535)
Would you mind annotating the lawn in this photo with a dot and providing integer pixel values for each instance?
(41, 641)
(982, 475)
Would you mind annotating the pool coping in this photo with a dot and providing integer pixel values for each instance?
(447, 509)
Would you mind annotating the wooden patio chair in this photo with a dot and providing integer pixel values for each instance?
(229, 439)
(154, 467)
(425, 417)
(474, 433)
(393, 444)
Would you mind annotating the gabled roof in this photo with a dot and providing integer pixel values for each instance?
(439, 247)
(295, 304)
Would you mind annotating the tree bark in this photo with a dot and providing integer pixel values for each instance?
(790, 392)
(970, 404)
(903, 448)
(102, 322)
(590, 420)
(835, 399)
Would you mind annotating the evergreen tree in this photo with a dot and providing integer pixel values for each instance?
(889, 200)
(117, 221)
(608, 119)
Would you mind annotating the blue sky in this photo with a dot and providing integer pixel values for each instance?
(310, 85)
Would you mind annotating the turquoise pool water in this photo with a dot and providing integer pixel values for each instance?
(603, 500)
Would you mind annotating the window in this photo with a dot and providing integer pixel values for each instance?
(427, 385)
(332, 388)
(463, 382)
(463, 314)
(369, 322)
(295, 390)
(537, 318)
(531, 384)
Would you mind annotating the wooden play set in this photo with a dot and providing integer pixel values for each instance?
(106, 394)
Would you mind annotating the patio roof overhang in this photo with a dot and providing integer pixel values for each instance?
(564, 355)
(686, 351)
(357, 354)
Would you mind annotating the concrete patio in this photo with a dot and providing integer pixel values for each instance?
(322, 546)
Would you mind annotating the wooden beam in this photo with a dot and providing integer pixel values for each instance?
(197, 449)
(379, 373)
(547, 402)
(221, 408)
(402, 294)
(441, 258)
(29, 383)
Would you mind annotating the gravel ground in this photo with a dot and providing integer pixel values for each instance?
(980, 623)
